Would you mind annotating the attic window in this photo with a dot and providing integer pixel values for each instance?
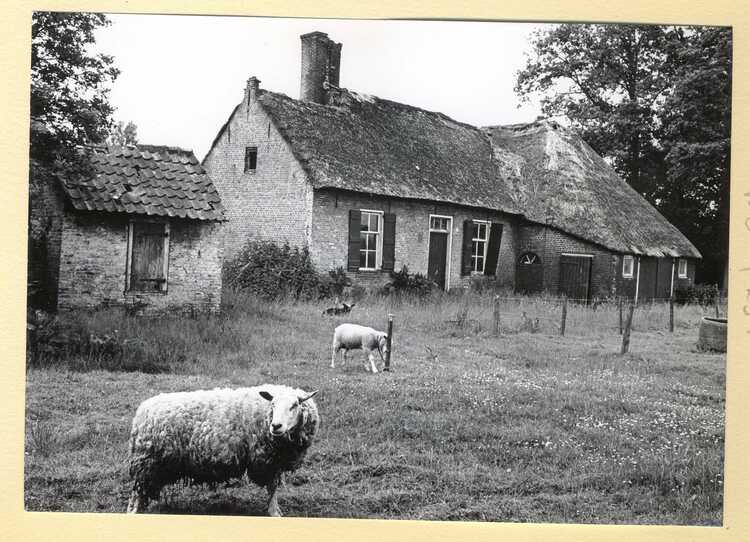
(682, 268)
(251, 158)
(627, 267)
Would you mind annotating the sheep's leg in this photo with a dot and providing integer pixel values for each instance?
(273, 503)
(371, 358)
(333, 356)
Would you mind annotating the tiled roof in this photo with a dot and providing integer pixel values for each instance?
(558, 176)
(368, 144)
(146, 180)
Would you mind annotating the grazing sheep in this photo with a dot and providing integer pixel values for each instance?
(354, 337)
(210, 436)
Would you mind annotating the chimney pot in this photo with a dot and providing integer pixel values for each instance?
(251, 90)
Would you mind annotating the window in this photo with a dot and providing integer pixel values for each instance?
(529, 259)
(627, 267)
(682, 268)
(479, 237)
(370, 236)
(251, 158)
(148, 253)
(439, 223)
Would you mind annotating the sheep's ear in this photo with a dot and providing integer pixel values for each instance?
(308, 396)
(267, 396)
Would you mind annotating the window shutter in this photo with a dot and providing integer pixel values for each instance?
(355, 219)
(466, 246)
(493, 249)
(389, 242)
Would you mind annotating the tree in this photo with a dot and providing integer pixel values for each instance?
(609, 81)
(69, 87)
(123, 134)
(696, 137)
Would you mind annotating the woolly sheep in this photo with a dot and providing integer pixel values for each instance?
(210, 436)
(354, 337)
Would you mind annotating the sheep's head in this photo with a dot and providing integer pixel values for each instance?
(285, 411)
(383, 344)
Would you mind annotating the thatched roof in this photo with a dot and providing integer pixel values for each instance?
(367, 144)
(150, 180)
(555, 174)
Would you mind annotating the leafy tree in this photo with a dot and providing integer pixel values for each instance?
(696, 136)
(123, 134)
(609, 81)
(69, 88)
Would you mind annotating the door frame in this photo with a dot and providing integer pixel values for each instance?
(449, 231)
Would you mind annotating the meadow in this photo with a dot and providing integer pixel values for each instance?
(523, 425)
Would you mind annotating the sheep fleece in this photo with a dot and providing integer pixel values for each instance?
(210, 436)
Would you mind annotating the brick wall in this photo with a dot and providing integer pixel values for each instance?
(274, 201)
(46, 209)
(93, 265)
(330, 230)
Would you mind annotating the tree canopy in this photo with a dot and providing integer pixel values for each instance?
(655, 102)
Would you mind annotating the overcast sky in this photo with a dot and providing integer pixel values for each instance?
(181, 76)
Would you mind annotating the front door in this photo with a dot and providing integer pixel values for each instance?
(438, 258)
(438, 255)
(575, 275)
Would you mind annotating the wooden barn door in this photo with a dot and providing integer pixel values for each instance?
(575, 277)
(529, 274)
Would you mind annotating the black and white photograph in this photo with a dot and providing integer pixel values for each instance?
(377, 269)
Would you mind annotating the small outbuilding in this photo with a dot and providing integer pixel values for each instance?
(141, 231)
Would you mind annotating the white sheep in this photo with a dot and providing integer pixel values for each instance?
(354, 337)
(210, 436)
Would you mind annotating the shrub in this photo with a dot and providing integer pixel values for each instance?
(702, 294)
(334, 284)
(270, 271)
(403, 283)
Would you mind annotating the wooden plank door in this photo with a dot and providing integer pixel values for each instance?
(575, 277)
(437, 259)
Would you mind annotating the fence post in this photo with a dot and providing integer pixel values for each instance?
(620, 305)
(671, 314)
(717, 306)
(388, 342)
(626, 334)
(564, 315)
(496, 315)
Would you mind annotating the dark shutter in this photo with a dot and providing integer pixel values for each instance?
(496, 235)
(355, 221)
(466, 247)
(389, 242)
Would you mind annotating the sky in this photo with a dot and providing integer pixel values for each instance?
(181, 76)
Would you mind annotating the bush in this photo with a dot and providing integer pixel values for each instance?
(703, 294)
(403, 283)
(270, 271)
(335, 283)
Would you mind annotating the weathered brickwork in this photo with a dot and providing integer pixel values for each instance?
(330, 230)
(46, 211)
(272, 202)
(606, 268)
(94, 258)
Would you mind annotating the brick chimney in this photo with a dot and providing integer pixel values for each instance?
(251, 90)
(321, 59)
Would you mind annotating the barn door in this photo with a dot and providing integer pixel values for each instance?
(148, 257)
(529, 274)
(575, 277)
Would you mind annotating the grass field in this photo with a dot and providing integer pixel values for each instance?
(525, 426)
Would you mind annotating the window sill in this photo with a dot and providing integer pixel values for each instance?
(134, 293)
(682, 276)
(361, 270)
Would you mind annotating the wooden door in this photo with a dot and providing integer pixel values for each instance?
(437, 257)
(529, 274)
(575, 277)
(147, 265)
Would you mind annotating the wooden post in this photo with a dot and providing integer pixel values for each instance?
(564, 315)
(717, 307)
(626, 334)
(620, 305)
(671, 314)
(496, 315)
(389, 342)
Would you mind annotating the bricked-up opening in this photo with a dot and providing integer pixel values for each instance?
(148, 257)
(321, 60)
(251, 158)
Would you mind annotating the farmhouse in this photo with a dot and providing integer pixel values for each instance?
(143, 231)
(371, 185)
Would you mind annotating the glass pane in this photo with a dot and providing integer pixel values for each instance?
(374, 221)
(363, 258)
(371, 259)
(372, 241)
(482, 231)
(364, 221)
(480, 263)
(363, 240)
(475, 230)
